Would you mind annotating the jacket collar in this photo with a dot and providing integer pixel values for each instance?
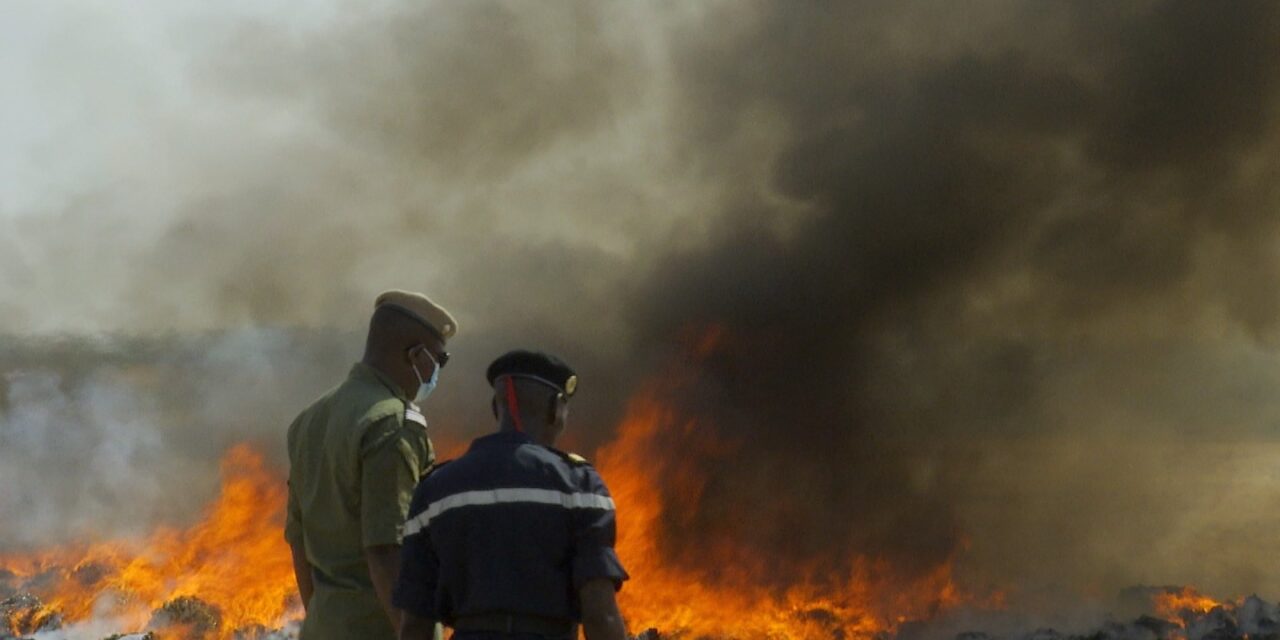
(501, 439)
(366, 373)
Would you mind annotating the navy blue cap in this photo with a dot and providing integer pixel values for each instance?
(535, 365)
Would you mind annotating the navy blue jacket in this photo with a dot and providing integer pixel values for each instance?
(511, 527)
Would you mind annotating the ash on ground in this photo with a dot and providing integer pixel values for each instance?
(1135, 616)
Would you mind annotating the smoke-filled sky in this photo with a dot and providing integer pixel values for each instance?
(997, 277)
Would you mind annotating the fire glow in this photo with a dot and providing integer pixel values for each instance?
(234, 560)
(1173, 605)
(727, 597)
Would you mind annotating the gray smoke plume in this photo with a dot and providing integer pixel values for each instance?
(998, 276)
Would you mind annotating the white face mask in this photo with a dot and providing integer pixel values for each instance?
(425, 387)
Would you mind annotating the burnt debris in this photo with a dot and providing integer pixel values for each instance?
(198, 617)
(1249, 619)
(24, 614)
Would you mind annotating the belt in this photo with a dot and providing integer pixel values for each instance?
(516, 623)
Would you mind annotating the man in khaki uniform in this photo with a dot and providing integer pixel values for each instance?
(355, 456)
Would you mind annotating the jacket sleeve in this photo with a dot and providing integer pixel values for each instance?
(393, 457)
(293, 520)
(293, 514)
(594, 533)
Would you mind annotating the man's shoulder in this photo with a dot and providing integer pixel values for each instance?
(307, 419)
(556, 468)
(369, 413)
(436, 471)
(369, 406)
(442, 479)
(573, 460)
(581, 474)
(471, 470)
(366, 398)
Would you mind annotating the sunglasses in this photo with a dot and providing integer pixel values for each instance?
(441, 359)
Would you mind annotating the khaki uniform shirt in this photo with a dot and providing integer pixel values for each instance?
(355, 456)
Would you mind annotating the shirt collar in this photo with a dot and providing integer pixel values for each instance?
(501, 439)
(362, 371)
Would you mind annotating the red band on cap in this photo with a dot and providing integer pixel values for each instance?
(513, 406)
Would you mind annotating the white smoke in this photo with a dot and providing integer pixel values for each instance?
(76, 458)
(106, 442)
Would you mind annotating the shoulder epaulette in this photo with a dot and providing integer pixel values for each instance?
(414, 416)
(571, 458)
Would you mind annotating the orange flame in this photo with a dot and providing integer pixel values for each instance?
(233, 559)
(1172, 605)
(857, 601)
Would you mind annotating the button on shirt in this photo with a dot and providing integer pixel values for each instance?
(512, 527)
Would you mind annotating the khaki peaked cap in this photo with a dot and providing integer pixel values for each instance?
(422, 309)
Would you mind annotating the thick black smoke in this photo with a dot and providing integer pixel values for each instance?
(970, 218)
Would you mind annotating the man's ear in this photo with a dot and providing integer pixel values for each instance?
(554, 410)
(493, 405)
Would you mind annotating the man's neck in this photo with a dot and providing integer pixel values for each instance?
(536, 431)
(408, 385)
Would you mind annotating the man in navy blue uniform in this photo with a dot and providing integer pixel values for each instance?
(515, 538)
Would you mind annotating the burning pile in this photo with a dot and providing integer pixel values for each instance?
(1174, 613)
(1195, 616)
(228, 576)
(731, 595)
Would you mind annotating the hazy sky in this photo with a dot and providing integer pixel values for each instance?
(997, 272)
